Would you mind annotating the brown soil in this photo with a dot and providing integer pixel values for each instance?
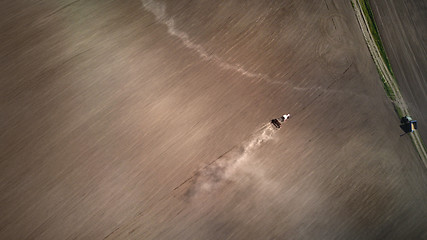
(130, 120)
(403, 29)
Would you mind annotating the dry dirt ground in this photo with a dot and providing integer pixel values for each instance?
(149, 120)
(387, 76)
(403, 28)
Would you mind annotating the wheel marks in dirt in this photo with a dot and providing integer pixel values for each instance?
(334, 51)
(159, 11)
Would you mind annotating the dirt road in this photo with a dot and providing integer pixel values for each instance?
(403, 29)
(388, 77)
(147, 120)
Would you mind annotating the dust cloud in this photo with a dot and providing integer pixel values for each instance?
(233, 166)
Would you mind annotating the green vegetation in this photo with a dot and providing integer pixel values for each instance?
(399, 111)
(387, 88)
(366, 8)
(390, 90)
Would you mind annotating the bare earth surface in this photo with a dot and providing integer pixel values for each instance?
(149, 120)
(387, 76)
(403, 28)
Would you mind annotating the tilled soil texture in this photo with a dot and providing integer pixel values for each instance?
(385, 72)
(150, 120)
(403, 30)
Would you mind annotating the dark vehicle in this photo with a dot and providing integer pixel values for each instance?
(408, 125)
(277, 122)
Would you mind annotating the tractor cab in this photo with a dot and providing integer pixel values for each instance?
(408, 124)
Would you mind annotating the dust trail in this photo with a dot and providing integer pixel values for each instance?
(232, 164)
(159, 11)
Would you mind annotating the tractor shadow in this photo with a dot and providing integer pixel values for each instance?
(406, 128)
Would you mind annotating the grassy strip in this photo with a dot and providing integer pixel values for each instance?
(387, 87)
(366, 8)
(398, 111)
